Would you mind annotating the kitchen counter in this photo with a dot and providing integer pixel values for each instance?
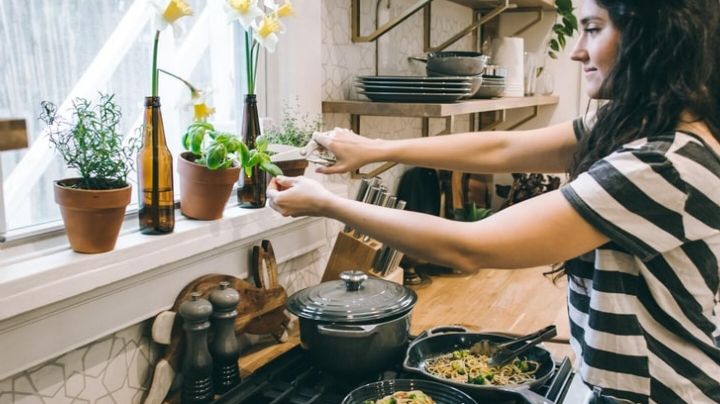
(511, 301)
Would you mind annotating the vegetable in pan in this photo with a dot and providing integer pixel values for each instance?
(467, 367)
(404, 397)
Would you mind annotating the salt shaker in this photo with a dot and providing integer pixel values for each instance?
(224, 348)
(197, 364)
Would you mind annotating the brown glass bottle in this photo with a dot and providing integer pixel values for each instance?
(155, 174)
(252, 190)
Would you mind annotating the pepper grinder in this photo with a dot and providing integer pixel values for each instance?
(197, 364)
(224, 348)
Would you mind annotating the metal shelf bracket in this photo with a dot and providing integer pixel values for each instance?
(464, 32)
(355, 21)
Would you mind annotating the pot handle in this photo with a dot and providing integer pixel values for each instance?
(417, 59)
(353, 331)
(442, 329)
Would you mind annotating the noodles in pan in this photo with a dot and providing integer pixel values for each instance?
(465, 366)
(404, 397)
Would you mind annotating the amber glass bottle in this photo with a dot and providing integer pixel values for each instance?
(252, 190)
(155, 174)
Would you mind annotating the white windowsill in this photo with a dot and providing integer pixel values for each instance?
(53, 299)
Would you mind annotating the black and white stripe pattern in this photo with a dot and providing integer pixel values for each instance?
(642, 308)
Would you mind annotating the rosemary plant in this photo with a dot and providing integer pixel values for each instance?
(91, 143)
(293, 130)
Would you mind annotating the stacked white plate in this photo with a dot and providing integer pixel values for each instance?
(414, 88)
(492, 86)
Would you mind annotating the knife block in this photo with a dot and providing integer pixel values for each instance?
(351, 253)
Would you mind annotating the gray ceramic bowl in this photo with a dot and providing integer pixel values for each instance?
(457, 63)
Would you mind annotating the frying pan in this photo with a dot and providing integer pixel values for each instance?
(442, 340)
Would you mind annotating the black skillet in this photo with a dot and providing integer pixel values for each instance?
(442, 340)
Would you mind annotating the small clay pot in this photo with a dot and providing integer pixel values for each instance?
(204, 192)
(92, 217)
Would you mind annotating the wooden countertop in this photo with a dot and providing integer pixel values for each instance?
(512, 301)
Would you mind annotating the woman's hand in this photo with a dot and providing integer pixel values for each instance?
(298, 196)
(351, 151)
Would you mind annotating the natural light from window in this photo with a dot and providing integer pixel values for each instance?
(61, 49)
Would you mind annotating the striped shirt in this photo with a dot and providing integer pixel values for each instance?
(642, 307)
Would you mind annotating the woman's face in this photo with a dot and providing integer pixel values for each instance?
(598, 46)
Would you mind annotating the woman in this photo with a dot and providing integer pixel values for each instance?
(642, 206)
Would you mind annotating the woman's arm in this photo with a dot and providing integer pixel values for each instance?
(542, 230)
(541, 150)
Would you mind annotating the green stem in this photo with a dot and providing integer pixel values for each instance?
(248, 57)
(256, 48)
(187, 83)
(154, 65)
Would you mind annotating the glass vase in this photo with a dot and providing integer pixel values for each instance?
(252, 189)
(156, 202)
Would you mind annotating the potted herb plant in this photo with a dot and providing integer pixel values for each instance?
(211, 166)
(93, 204)
(293, 133)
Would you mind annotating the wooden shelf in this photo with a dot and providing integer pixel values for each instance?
(430, 110)
(548, 5)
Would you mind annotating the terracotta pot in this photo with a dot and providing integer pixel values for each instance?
(92, 217)
(204, 192)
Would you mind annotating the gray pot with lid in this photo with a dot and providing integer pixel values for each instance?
(354, 326)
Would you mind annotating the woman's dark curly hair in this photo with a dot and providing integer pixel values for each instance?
(668, 63)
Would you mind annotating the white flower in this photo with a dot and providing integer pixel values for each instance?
(168, 12)
(282, 10)
(245, 11)
(266, 31)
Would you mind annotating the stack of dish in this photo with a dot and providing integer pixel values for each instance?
(492, 86)
(414, 88)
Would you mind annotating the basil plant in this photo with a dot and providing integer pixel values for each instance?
(219, 150)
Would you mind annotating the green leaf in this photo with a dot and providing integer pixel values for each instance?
(552, 55)
(561, 40)
(196, 140)
(554, 45)
(562, 5)
(244, 154)
(234, 145)
(186, 141)
(223, 138)
(271, 168)
(261, 143)
(216, 155)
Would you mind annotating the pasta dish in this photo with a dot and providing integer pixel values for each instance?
(465, 366)
(404, 397)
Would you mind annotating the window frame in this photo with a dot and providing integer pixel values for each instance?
(187, 56)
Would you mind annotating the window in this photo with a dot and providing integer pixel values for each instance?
(62, 49)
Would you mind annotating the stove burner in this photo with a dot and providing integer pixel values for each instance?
(292, 379)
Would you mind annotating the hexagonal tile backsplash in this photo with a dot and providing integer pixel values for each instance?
(118, 368)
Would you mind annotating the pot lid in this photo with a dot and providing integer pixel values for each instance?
(353, 299)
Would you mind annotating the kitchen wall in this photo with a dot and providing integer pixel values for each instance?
(342, 60)
(118, 368)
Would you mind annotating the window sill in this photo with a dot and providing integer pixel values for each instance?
(53, 299)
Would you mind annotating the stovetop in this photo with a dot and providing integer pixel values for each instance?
(292, 379)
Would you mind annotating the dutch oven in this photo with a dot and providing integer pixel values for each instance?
(354, 326)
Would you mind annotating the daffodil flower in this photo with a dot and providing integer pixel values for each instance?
(266, 31)
(245, 11)
(169, 12)
(201, 110)
(282, 10)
